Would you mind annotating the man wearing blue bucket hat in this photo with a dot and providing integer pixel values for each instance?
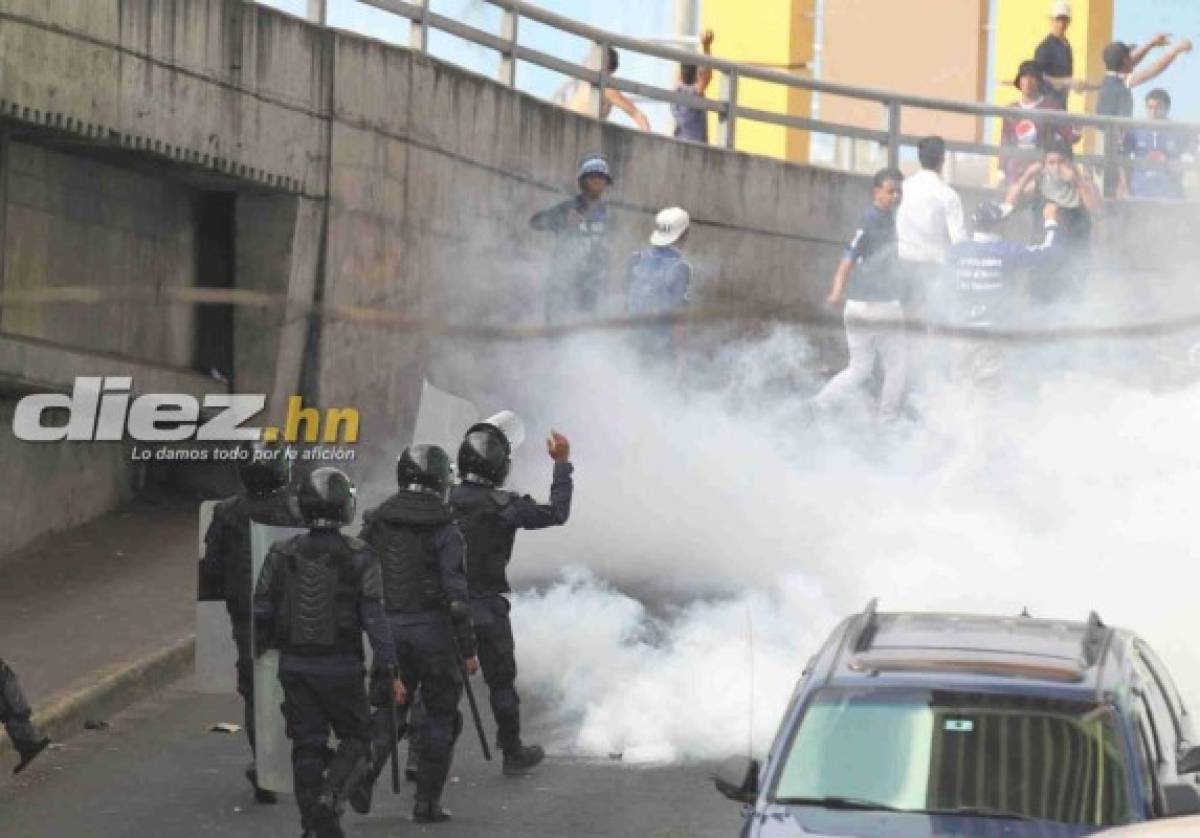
(579, 264)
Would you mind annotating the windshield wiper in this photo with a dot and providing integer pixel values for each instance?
(831, 802)
(974, 811)
(856, 803)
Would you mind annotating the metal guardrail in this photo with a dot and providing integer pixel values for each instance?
(893, 105)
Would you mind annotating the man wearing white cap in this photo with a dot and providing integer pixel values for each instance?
(659, 281)
(1057, 60)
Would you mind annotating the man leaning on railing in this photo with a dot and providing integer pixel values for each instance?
(576, 95)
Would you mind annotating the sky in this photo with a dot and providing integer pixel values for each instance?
(1136, 20)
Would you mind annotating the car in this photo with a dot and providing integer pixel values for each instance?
(914, 724)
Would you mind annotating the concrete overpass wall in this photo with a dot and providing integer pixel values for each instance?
(73, 221)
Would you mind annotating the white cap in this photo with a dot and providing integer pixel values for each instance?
(1060, 8)
(669, 225)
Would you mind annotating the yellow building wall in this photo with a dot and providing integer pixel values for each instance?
(778, 34)
(1022, 24)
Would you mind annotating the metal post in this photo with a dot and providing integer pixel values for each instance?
(600, 63)
(731, 97)
(418, 35)
(893, 129)
(1112, 171)
(508, 60)
(687, 18)
(318, 11)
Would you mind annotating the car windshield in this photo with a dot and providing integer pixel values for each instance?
(964, 753)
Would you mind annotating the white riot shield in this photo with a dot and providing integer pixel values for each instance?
(511, 425)
(216, 654)
(273, 752)
(442, 419)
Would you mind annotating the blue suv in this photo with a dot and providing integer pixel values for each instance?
(940, 724)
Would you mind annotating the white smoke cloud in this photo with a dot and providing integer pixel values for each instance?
(693, 511)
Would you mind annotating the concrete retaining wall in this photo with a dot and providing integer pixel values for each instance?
(72, 221)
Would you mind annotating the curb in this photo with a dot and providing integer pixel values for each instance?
(106, 691)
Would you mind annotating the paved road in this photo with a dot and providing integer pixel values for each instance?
(112, 590)
(157, 771)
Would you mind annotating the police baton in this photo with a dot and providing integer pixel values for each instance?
(393, 730)
(466, 677)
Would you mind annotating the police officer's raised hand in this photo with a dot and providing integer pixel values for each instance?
(472, 665)
(558, 447)
(398, 692)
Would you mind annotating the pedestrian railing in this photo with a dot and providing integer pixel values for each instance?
(890, 136)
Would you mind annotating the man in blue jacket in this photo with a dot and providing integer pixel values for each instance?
(986, 271)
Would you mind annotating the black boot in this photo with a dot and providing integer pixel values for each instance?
(29, 753)
(361, 794)
(261, 795)
(520, 759)
(430, 811)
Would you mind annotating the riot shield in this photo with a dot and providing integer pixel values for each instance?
(273, 755)
(443, 418)
(216, 654)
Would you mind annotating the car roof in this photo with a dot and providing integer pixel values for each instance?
(971, 650)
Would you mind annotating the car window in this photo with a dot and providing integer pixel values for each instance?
(1162, 717)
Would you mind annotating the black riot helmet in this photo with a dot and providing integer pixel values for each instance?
(485, 455)
(424, 468)
(264, 467)
(326, 498)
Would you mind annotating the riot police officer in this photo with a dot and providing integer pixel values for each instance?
(225, 570)
(14, 715)
(489, 518)
(420, 550)
(316, 595)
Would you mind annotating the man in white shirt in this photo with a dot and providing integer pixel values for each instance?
(928, 222)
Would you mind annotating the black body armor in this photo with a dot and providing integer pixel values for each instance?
(402, 532)
(322, 582)
(489, 539)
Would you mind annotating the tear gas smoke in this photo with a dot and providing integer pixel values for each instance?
(699, 517)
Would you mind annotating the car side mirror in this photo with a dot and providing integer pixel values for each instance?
(1189, 761)
(737, 779)
(1181, 799)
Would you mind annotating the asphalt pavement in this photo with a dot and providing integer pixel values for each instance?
(157, 771)
(112, 590)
